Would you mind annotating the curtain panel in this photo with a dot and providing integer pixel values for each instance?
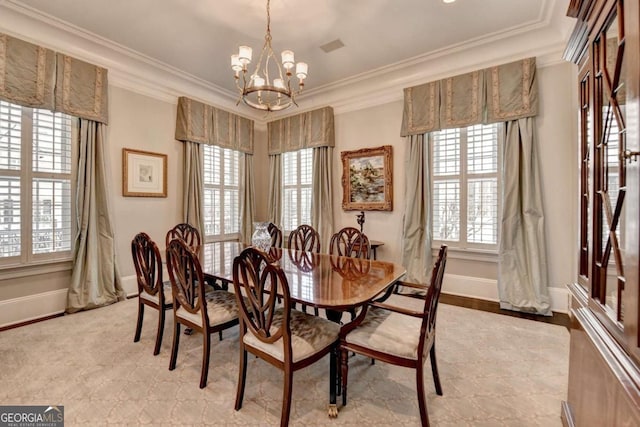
(322, 193)
(495, 94)
(205, 124)
(416, 225)
(95, 280)
(312, 129)
(33, 76)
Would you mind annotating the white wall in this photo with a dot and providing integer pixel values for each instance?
(143, 123)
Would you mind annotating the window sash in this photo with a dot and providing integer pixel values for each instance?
(296, 188)
(41, 229)
(221, 194)
(466, 187)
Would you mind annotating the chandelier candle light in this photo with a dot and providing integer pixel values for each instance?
(267, 89)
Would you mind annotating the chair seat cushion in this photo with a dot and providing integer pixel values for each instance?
(388, 332)
(221, 308)
(168, 296)
(309, 335)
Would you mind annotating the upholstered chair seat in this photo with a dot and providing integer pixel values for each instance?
(221, 308)
(309, 335)
(388, 332)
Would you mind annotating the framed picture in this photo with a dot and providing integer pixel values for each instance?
(144, 174)
(367, 179)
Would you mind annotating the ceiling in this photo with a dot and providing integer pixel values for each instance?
(198, 36)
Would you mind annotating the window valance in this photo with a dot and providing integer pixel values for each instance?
(495, 94)
(205, 124)
(33, 76)
(306, 130)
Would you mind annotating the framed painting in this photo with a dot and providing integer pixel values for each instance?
(144, 174)
(367, 179)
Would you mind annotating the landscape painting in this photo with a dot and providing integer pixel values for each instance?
(367, 179)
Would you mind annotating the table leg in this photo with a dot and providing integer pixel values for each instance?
(333, 408)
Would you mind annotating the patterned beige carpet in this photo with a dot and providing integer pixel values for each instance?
(495, 371)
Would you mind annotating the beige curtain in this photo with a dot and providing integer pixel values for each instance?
(247, 196)
(193, 194)
(95, 280)
(416, 228)
(275, 189)
(522, 268)
(322, 193)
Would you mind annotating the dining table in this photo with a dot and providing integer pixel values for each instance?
(335, 283)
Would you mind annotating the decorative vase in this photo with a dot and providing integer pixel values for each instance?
(261, 238)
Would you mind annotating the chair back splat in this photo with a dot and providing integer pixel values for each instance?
(276, 235)
(304, 238)
(186, 232)
(350, 242)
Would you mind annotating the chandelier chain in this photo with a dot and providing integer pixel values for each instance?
(268, 35)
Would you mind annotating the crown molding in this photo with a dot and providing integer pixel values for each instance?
(138, 73)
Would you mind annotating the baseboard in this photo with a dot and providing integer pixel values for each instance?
(130, 286)
(487, 289)
(18, 311)
(32, 307)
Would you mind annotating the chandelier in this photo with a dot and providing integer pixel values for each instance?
(267, 88)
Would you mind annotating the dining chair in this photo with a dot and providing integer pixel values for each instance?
(304, 238)
(398, 335)
(186, 232)
(275, 332)
(276, 235)
(152, 291)
(204, 312)
(350, 242)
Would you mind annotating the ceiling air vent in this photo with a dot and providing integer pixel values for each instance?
(331, 46)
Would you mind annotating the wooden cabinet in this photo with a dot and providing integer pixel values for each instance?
(604, 374)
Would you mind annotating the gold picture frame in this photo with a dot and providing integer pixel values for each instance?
(144, 174)
(367, 179)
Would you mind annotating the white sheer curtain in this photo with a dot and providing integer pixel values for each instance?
(522, 268)
(416, 228)
(322, 193)
(95, 280)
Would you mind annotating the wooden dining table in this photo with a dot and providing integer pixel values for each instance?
(331, 282)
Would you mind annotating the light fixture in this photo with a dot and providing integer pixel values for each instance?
(267, 88)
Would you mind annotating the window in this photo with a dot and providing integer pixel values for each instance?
(296, 188)
(35, 184)
(466, 186)
(221, 193)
